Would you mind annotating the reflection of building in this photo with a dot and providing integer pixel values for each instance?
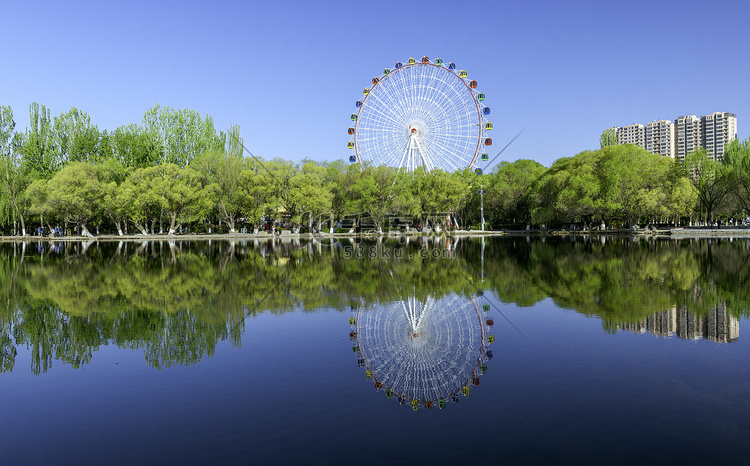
(423, 352)
(716, 326)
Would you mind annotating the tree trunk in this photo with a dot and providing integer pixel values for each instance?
(85, 231)
(23, 222)
(173, 224)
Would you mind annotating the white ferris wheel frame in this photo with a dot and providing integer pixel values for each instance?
(414, 116)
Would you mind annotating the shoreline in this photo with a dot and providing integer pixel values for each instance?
(677, 233)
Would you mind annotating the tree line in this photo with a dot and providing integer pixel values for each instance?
(175, 169)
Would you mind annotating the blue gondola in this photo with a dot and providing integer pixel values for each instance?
(486, 110)
(352, 158)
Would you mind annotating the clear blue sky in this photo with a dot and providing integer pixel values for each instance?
(289, 72)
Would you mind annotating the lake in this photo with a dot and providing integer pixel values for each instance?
(428, 351)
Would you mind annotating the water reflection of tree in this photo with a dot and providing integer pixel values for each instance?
(177, 301)
(620, 279)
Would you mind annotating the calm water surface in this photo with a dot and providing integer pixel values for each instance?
(518, 350)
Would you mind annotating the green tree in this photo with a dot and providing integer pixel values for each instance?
(14, 179)
(382, 191)
(135, 147)
(38, 144)
(506, 196)
(712, 181)
(140, 200)
(181, 193)
(262, 191)
(183, 134)
(111, 174)
(737, 158)
(75, 139)
(225, 171)
(74, 193)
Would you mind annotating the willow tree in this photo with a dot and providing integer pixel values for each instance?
(225, 172)
(180, 193)
(737, 158)
(73, 195)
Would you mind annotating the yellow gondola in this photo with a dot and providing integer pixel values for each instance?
(412, 61)
(463, 74)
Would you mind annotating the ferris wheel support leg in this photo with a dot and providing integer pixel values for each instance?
(427, 163)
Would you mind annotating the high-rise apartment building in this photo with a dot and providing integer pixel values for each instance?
(688, 135)
(718, 128)
(632, 134)
(660, 138)
(683, 136)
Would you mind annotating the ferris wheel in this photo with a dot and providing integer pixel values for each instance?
(424, 352)
(421, 113)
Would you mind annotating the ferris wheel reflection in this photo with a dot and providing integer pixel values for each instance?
(425, 352)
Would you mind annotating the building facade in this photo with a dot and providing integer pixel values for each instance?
(688, 135)
(632, 134)
(660, 138)
(718, 129)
